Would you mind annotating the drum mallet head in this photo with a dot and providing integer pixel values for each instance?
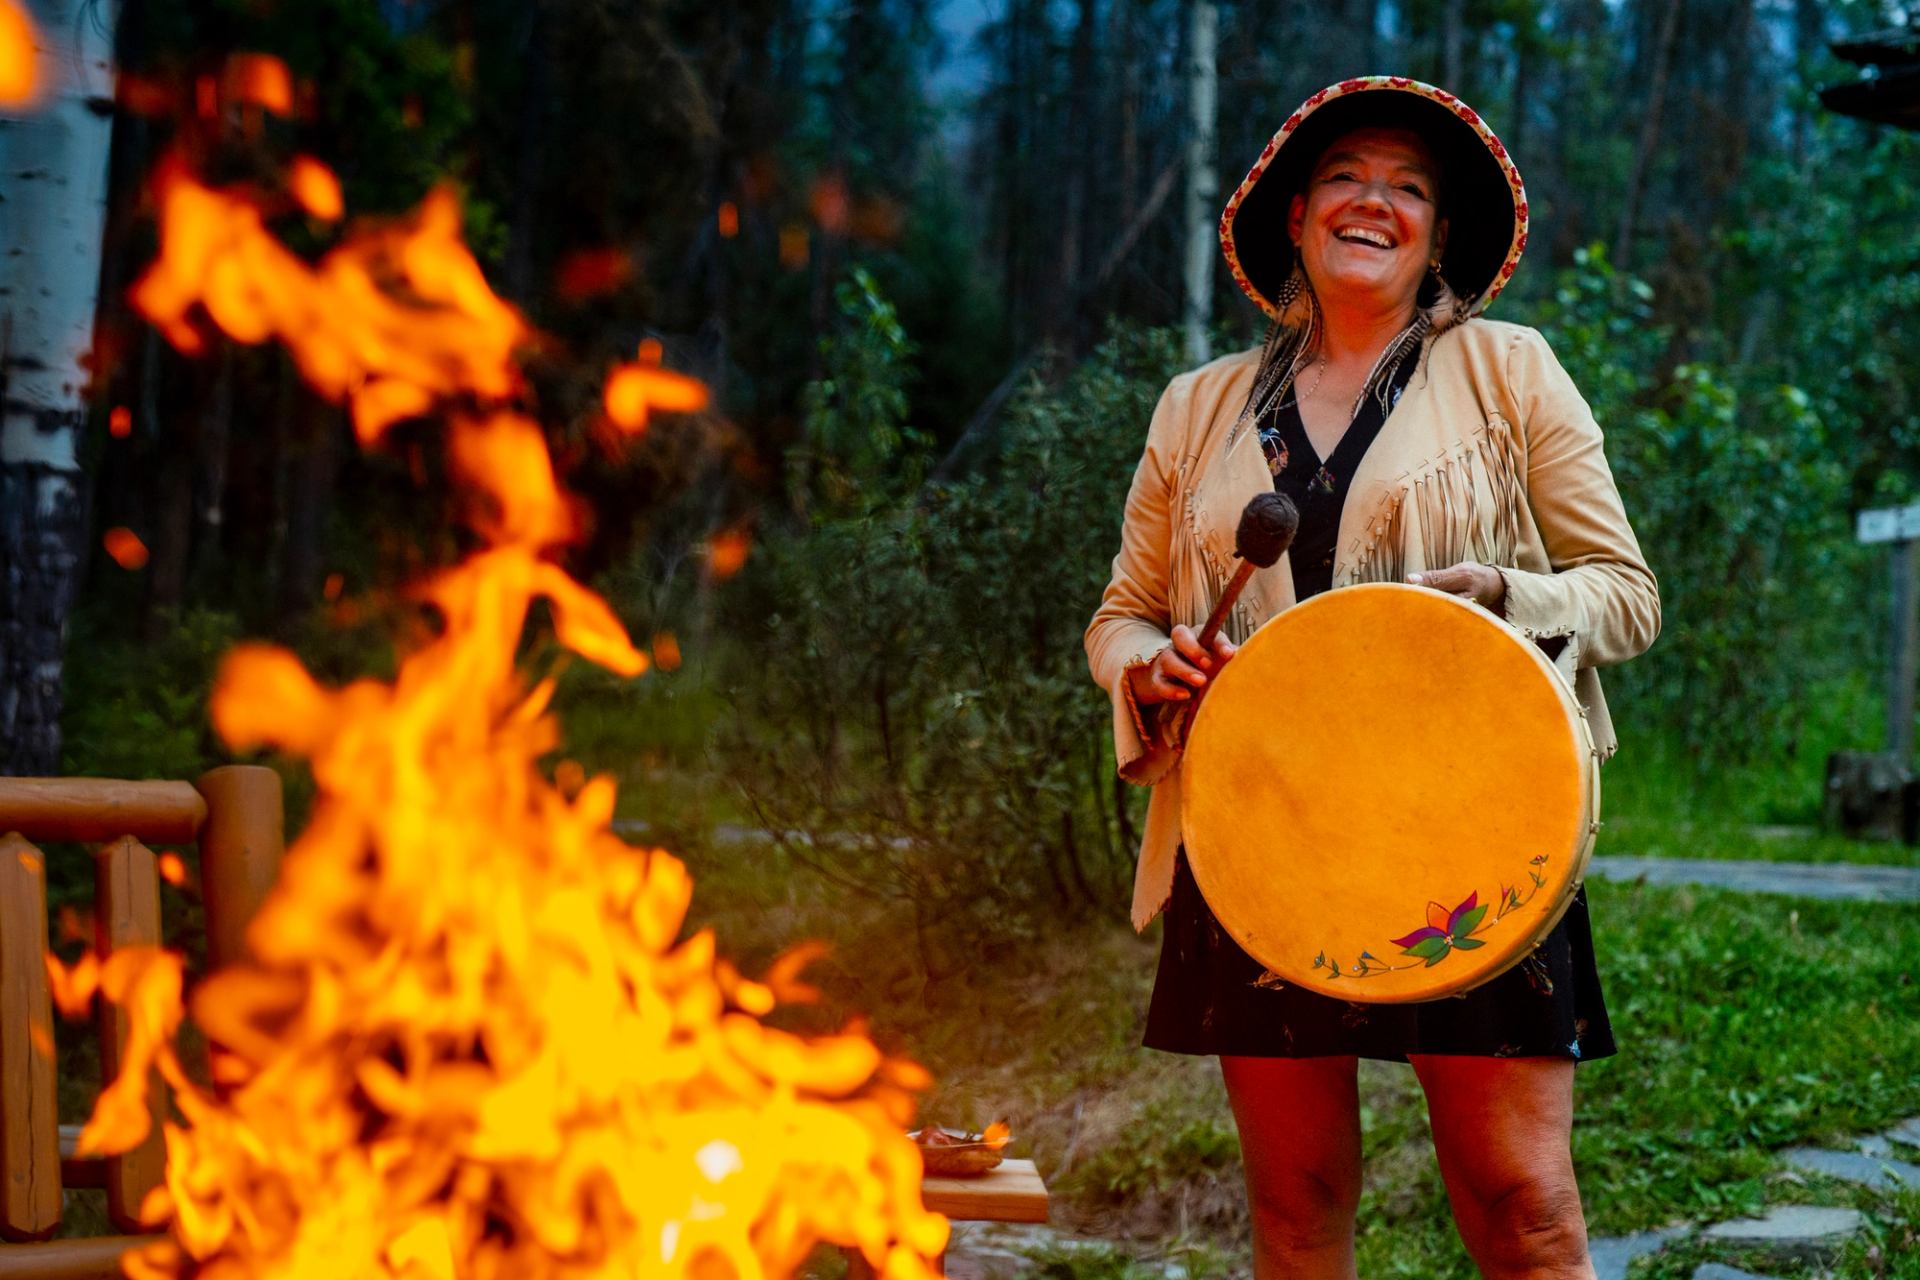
(1266, 530)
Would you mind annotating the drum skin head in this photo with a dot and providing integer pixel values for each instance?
(1388, 795)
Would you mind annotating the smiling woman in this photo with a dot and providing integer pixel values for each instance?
(1421, 444)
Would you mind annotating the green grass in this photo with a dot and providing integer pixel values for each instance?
(1747, 1024)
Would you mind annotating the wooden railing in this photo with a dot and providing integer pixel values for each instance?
(233, 816)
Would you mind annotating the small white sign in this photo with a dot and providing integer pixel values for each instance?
(1888, 524)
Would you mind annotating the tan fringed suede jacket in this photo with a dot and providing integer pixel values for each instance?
(1490, 455)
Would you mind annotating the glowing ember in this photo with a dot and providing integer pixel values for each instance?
(470, 1041)
(125, 547)
(120, 422)
(729, 219)
(727, 552)
(315, 187)
(19, 79)
(635, 389)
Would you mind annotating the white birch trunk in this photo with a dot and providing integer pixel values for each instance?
(52, 215)
(1201, 215)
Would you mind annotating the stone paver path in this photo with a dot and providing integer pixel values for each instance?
(1721, 1271)
(1836, 881)
(1881, 1172)
(1612, 1256)
(1791, 1233)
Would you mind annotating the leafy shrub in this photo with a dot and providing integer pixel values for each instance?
(1739, 496)
(916, 704)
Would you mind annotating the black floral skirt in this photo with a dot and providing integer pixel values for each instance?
(1206, 1001)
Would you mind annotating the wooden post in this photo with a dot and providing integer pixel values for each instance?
(1901, 527)
(126, 908)
(29, 1122)
(240, 848)
(1904, 663)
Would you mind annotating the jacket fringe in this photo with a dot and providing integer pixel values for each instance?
(1464, 504)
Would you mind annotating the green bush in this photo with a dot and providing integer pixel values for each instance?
(913, 701)
(1739, 495)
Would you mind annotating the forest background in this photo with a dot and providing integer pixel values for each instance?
(929, 257)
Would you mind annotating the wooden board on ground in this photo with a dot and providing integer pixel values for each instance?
(1011, 1193)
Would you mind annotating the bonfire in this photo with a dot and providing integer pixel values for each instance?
(471, 1040)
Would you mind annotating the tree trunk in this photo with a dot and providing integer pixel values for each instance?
(55, 159)
(1453, 19)
(1201, 217)
(1649, 134)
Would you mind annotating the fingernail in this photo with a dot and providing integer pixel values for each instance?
(1417, 579)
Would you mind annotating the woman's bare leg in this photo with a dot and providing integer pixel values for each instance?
(1299, 1124)
(1502, 1128)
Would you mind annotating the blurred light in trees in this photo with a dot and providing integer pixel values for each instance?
(830, 204)
(589, 273)
(794, 249)
(666, 651)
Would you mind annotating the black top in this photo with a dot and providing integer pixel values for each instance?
(1319, 488)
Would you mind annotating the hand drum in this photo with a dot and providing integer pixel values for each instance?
(1389, 795)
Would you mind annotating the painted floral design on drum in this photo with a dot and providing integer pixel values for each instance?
(1445, 932)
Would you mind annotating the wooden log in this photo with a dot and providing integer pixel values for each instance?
(29, 1123)
(126, 912)
(94, 809)
(240, 848)
(95, 1259)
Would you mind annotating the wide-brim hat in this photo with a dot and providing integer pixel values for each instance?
(1481, 193)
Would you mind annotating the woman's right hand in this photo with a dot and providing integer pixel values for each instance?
(1180, 671)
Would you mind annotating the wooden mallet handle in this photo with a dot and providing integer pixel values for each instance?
(1266, 530)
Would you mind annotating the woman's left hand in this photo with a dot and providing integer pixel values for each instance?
(1480, 583)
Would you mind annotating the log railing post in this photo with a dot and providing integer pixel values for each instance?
(29, 1120)
(240, 848)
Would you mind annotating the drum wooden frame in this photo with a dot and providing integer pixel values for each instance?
(1389, 795)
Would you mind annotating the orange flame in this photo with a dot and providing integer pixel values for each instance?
(125, 547)
(19, 77)
(391, 322)
(470, 1041)
(120, 422)
(259, 80)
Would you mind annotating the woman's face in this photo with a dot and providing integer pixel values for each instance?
(1367, 224)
